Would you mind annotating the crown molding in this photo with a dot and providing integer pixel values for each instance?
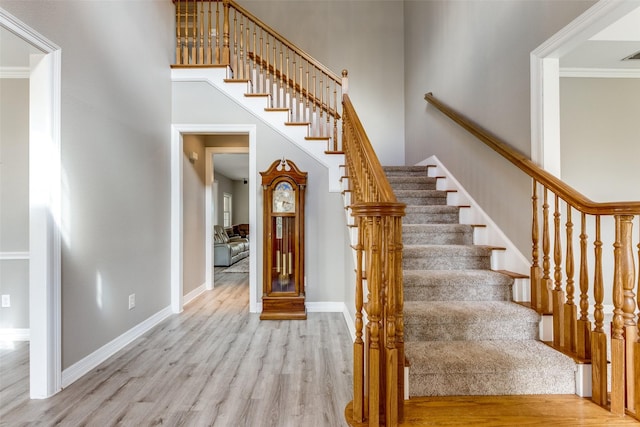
(14, 72)
(608, 73)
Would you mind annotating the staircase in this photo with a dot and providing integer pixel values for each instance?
(463, 334)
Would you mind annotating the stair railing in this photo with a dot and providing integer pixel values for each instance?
(378, 362)
(212, 33)
(555, 291)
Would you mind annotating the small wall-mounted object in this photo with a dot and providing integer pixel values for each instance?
(193, 156)
(283, 295)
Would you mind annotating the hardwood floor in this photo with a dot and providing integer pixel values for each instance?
(217, 365)
(214, 364)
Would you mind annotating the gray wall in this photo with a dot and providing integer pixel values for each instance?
(474, 56)
(326, 247)
(193, 205)
(599, 134)
(364, 37)
(115, 130)
(240, 202)
(14, 200)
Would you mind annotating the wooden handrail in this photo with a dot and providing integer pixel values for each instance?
(564, 191)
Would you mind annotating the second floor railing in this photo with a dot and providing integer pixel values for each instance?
(378, 351)
(213, 33)
(566, 285)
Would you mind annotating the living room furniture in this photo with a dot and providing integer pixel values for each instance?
(228, 250)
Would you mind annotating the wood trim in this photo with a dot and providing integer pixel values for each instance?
(564, 191)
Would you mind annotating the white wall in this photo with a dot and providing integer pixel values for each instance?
(14, 201)
(364, 37)
(474, 56)
(326, 247)
(115, 145)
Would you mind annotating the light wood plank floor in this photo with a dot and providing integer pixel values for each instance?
(216, 364)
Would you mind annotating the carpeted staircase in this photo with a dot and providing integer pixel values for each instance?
(463, 335)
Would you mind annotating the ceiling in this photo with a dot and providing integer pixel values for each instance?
(233, 166)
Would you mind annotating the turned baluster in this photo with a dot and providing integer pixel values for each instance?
(545, 299)
(598, 336)
(627, 278)
(358, 345)
(617, 331)
(285, 85)
(570, 309)
(335, 118)
(374, 282)
(217, 29)
(558, 294)
(235, 63)
(209, 29)
(201, 44)
(194, 34)
(636, 358)
(584, 325)
(535, 284)
(226, 60)
(267, 74)
(178, 30)
(328, 122)
(306, 111)
(260, 78)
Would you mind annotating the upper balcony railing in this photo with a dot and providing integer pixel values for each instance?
(213, 33)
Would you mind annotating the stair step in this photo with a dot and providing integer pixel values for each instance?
(421, 197)
(449, 368)
(431, 214)
(469, 320)
(456, 285)
(437, 234)
(446, 257)
(412, 182)
(405, 170)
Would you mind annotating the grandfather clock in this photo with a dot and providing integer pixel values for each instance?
(283, 187)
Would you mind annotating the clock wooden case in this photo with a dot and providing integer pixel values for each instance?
(283, 296)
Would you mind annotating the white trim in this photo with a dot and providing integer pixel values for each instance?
(601, 73)
(14, 72)
(177, 130)
(195, 293)
(15, 334)
(86, 364)
(325, 306)
(210, 196)
(545, 73)
(44, 209)
(351, 322)
(6, 256)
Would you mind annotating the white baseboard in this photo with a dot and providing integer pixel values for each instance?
(351, 322)
(194, 294)
(15, 334)
(82, 367)
(325, 307)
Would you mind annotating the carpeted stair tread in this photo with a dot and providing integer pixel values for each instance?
(446, 257)
(431, 214)
(437, 234)
(412, 182)
(405, 170)
(488, 368)
(421, 197)
(468, 320)
(456, 285)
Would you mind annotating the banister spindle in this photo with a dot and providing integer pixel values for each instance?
(201, 44)
(226, 60)
(558, 295)
(358, 345)
(535, 284)
(627, 278)
(209, 58)
(178, 31)
(570, 309)
(234, 64)
(218, 58)
(583, 324)
(636, 356)
(241, 67)
(599, 359)
(545, 299)
(194, 59)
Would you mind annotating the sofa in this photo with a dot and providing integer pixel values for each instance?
(228, 250)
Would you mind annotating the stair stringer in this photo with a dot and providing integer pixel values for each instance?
(510, 259)
(236, 91)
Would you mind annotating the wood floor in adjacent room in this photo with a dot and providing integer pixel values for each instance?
(216, 364)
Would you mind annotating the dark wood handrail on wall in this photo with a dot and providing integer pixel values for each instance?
(378, 350)
(553, 291)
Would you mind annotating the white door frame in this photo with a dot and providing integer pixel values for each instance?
(545, 77)
(177, 130)
(44, 210)
(210, 195)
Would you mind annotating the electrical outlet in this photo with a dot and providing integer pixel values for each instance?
(6, 301)
(132, 301)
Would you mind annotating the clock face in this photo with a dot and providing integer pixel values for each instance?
(284, 198)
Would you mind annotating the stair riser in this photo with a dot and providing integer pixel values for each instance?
(456, 293)
(437, 238)
(491, 383)
(447, 263)
(416, 329)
